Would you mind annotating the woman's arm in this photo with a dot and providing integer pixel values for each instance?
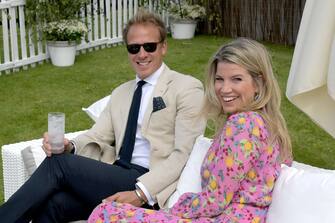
(224, 167)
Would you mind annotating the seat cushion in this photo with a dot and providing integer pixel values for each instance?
(303, 193)
(190, 178)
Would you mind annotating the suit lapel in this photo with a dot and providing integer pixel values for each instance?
(124, 109)
(159, 91)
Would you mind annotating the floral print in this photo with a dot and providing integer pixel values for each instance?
(238, 175)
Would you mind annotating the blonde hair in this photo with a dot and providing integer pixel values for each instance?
(253, 57)
(144, 17)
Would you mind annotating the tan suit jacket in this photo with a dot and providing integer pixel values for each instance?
(171, 131)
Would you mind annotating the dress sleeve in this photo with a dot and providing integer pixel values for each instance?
(224, 167)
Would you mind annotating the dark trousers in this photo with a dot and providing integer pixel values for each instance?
(65, 188)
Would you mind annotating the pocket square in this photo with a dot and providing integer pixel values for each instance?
(158, 104)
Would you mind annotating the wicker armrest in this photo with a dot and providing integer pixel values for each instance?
(14, 171)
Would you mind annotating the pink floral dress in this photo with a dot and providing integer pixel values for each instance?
(238, 175)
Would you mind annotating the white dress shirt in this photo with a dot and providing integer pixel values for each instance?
(141, 153)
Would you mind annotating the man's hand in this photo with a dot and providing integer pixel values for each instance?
(129, 197)
(47, 147)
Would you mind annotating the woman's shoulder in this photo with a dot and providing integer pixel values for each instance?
(250, 121)
(241, 117)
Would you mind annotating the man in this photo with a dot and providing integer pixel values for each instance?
(141, 162)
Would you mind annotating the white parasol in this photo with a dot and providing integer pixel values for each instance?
(311, 82)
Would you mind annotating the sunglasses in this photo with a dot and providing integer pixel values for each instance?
(148, 47)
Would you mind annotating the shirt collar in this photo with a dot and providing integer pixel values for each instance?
(153, 78)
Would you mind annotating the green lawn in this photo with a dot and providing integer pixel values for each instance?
(27, 96)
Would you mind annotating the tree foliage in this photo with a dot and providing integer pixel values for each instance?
(44, 11)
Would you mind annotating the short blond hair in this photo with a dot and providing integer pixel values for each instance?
(145, 17)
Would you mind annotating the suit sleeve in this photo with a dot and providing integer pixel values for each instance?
(100, 136)
(225, 166)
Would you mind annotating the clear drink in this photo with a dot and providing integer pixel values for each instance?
(56, 130)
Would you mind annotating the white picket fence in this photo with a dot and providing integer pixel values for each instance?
(20, 50)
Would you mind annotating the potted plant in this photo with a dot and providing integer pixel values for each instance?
(184, 16)
(59, 23)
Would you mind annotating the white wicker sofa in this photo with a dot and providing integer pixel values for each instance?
(15, 169)
(302, 193)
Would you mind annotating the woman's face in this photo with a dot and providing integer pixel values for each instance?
(234, 87)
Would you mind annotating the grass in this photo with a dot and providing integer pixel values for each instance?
(27, 96)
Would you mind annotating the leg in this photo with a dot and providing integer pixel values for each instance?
(88, 179)
(57, 210)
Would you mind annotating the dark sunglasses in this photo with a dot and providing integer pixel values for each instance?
(148, 47)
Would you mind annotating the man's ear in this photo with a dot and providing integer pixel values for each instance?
(164, 47)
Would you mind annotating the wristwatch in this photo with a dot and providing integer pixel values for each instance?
(139, 196)
(70, 147)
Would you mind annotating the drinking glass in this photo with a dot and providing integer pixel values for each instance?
(56, 129)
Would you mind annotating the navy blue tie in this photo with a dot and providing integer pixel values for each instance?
(128, 143)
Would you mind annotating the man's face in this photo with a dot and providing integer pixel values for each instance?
(145, 63)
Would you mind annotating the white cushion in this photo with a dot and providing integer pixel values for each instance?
(190, 178)
(303, 193)
(309, 168)
(96, 108)
(32, 157)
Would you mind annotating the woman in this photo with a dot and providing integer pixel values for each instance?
(243, 162)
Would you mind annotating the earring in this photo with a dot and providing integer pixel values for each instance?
(256, 97)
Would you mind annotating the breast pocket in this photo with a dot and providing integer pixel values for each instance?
(163, 120)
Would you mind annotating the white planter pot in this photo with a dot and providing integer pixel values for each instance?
(62, 53)
(183, 30)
